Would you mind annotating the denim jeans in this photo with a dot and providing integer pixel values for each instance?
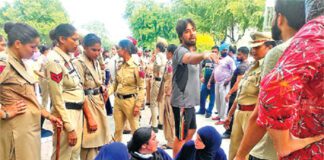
(204, 92)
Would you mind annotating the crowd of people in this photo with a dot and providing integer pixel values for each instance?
(268, 94)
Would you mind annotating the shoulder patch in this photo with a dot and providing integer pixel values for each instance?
(2, 67)
(57, 77)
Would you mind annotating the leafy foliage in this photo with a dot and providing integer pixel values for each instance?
(44, 15)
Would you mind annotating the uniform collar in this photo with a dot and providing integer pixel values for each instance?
(130, 61)
(14, 56)
(64, 55)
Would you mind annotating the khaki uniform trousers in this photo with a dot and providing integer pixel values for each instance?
(154, 104)
(239, 126)
(124, 110)
(168, 121)
(148, 89)
(67, 152)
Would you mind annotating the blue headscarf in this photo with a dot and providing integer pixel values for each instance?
(113, 151)
(223, 46)
(212, 151)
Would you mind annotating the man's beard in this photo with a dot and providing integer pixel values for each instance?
(276, 32)
(190, 43)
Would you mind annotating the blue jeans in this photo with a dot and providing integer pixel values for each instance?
(204, 92)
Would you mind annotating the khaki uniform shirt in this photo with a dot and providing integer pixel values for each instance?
(130, 80)
(64, 84)
(17, 84)
(91, 78)
(168, 78)
(159, 64)
(248, 91)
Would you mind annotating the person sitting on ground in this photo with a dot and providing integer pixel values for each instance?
(113, 151)
(205, 147)
(143, 146)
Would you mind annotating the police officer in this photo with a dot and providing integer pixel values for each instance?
(66, 93)
(129, 90)
(166, 89)
(158, 69)
(95, 130)
(20, 135)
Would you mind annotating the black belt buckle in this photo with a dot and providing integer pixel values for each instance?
(74, 106)
(94, 91)
(158, 79)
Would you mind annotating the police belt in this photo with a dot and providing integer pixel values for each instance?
(120, 96)
(246, 107)
(74, 106)
(94, 91)
(158, 78)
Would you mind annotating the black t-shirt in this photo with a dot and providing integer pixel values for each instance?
(240, 70)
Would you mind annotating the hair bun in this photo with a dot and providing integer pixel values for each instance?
(8, 26)
(52, 35)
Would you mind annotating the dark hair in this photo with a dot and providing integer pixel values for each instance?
(293, 10)
(232, 49)
(160, 46)
(313, 9)
(244, 50)
(141, 136)
(90, 40)
(182, 25)
(270, 43)
(64, 30)
(215, 47)
(20, 31)
(171, 48)
(128, 46)
(43, 48)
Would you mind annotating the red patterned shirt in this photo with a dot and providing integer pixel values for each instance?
(292, 94)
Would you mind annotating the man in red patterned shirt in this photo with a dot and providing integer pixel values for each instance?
(291, 102)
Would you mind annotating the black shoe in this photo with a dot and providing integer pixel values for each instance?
(155, 129)
(160, 126)
(208, 115)
(226, 135)
(127, 132)
(148, 104)
(46, 133)
(216, 112)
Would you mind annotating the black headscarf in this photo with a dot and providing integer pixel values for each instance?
(212, 151)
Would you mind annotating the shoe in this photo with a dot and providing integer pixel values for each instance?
(160, 126)
(201, 113)
(46, 133)
(226, 135)
(216, 112)
(220, 123)
(155, 129)
(208, 115)
(127, 132)
(216, 118)
(148, 104)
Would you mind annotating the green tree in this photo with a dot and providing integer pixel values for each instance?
(44, 15)
(223, 18)
(149, 20)
(100, 30)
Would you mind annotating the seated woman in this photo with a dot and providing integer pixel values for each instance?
(143, 146)
(112, 151)
(205, 147)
